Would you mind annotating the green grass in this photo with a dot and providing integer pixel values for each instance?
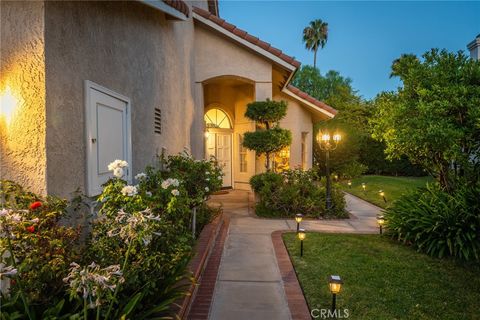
(393, 187)
(384, 279)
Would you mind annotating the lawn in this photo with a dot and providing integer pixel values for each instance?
(393, 187)
(384, 279)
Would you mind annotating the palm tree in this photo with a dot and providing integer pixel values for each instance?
(315, 36)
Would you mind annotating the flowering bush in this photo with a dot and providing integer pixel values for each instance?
(136, 253)
(292, 192)
(35, 245)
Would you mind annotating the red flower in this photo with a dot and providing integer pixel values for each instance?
(35, 205)
(31, 229)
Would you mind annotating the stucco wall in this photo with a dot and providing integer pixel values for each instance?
(133, 50)
(22, 69)
(297, 120)
(217, 56)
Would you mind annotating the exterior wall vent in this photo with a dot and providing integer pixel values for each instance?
(157, 125)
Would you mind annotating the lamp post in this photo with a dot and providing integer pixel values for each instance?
(382, 194)
(298, 219)
(335, 285)
(364, 187)
(349, 184)
(301, 236)
(381, 222)
(328, 143)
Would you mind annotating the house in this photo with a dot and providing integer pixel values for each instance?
(84, 83)
(474, 48)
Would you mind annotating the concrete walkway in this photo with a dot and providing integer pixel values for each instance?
(249, 285)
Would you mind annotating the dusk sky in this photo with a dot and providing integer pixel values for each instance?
(364, 37)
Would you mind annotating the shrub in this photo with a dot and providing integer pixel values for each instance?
(36, 245)
(292, 192)
(438, 223)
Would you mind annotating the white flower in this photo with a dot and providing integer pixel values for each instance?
(175, 192)
(207, 189)
(117, 164)
(208, 179)
(4, 212)
(170, 182)
(35, 220)
(7, 271)
(207, 172)
(148, 193)
(118, 172)
(166, 184)
(140, 176)
(129, 191)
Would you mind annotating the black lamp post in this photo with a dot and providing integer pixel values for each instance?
(301, 236)
(335, 285)
(298, 219)
(381, 222)
(328, 143)
(382, 194)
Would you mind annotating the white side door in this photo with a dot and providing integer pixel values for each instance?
(224, 157)
(108, 134)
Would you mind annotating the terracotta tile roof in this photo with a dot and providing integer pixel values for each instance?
(178, 5)
(246, 36)
(311, 99)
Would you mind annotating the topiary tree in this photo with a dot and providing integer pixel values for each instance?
(269, 137)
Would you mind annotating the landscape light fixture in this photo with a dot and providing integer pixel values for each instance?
(298, 219)
(335, 285)
(301, 236)
(327, 144)
(349, 184)
(382, 194)
(381, 222)
(336, 177)
(364, 186)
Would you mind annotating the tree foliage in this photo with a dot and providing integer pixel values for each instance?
(357, 151)
(269, 137)
(315, 36)
(433, 119)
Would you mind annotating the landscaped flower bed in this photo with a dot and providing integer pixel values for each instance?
(136, 252)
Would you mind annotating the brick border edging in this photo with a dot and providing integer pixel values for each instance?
(293, 291)
(196, 266)
(203, 297)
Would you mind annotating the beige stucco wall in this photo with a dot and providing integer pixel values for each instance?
(22, 69)
(131, 49)
(298, 120)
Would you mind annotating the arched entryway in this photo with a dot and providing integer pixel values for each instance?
(219, 130)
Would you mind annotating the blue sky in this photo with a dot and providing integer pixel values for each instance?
(364, 37)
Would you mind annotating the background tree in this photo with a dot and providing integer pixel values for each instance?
(315, 36)
(433, 119)
(269, 137)
(358, 152)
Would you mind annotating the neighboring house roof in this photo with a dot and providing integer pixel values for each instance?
(268, 51)
(246, 36)
(178, 5)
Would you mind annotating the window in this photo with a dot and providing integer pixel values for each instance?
(216, 118)
(242, 154)
(304, 150)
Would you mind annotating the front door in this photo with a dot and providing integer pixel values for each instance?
(220, 146)
(108, 134)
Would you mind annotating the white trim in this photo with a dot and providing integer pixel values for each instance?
(244, 42)
(91, 190)
(307, 103)
(165, 8)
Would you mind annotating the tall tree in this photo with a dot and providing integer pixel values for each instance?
(315, 36)
(433, 118)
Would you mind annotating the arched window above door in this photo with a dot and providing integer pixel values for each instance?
(217, 118)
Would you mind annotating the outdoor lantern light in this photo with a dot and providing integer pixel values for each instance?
(349, 184)
(335, 285)
(382, 194)
(8, 104)
(207, 134)
(325, 143)
(364, 186)
(298, 219)
(301, 235)
(336, 177)
(381, 222)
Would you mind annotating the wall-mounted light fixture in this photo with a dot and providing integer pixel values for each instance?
(8, 104)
